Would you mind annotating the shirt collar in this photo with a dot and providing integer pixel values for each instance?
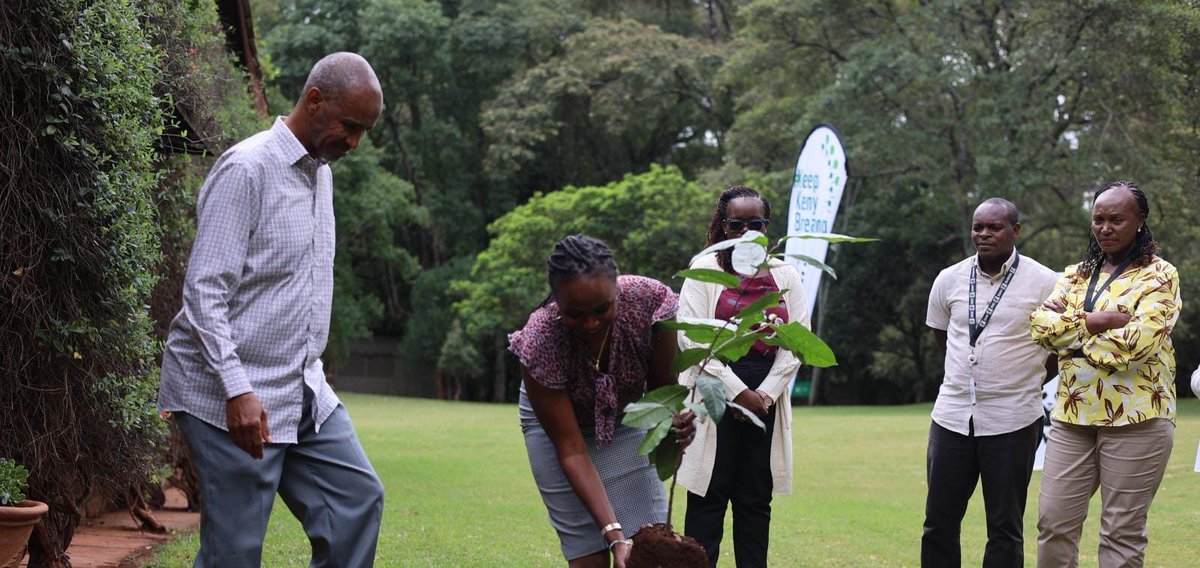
(1003, 267)
(293, 151)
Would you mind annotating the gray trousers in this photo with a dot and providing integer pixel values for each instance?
(324, 478)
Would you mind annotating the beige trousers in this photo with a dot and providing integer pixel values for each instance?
(1126, 463)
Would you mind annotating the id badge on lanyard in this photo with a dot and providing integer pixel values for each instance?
(976, 328)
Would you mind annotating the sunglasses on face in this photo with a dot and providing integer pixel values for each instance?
(738, 225)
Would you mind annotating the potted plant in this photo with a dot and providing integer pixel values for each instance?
(727, 341)
(18, 515)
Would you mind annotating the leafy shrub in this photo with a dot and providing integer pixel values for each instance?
(85, 94)
(13, 478)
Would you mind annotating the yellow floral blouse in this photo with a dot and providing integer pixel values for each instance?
(1119, 376)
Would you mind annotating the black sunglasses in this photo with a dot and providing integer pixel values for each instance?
(737, 225)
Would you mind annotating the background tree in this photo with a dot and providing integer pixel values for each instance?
(949, 103)
(621, 96)
(654, 222)
(941, 104)
(373, 206)
(91, 216)
(458, 363)
(443, 67)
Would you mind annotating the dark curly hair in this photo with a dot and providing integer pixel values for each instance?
(716, 229)
(1144, 247)
(578, 255)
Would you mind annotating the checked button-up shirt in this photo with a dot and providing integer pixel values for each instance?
(259, 288)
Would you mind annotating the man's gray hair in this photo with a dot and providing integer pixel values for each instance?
(337, 72)
(1014, 216)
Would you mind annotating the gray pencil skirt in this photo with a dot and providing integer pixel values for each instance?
(634, 490)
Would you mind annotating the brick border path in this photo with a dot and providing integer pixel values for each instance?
(112, 540)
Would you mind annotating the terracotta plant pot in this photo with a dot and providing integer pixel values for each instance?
(16, 523)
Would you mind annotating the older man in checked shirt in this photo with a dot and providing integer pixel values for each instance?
(242, 371)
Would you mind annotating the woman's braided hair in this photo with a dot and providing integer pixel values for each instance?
(716, 229)
(575, 256)
(1144, 247)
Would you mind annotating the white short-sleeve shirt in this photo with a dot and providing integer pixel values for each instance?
(1000, 390)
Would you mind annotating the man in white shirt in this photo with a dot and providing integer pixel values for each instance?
(987, 420)
(242, 370)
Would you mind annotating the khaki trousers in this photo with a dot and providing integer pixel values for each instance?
(1126, 463)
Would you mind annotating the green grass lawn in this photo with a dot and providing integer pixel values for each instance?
(459, 492)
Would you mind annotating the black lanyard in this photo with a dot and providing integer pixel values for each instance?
(987, 315)
(1089, 300)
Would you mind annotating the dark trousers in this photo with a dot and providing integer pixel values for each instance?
(954, 463)
(741, 474)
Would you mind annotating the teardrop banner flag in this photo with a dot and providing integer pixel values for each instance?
(816, 194)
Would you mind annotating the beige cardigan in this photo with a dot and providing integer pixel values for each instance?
(699, 299)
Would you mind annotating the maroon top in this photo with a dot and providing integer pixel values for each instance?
(557, 360)
(734, 300)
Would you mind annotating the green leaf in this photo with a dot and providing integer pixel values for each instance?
(805, 344)
(814, 262)
(670, 396)
(691, 324)
(697, 408)
(749, 322)
(757, 308)
(709, 275)
(713, 391)
(653, 437)
(13, 478)
(750, 415)
(665, 457)
(714, 248)
(737, 347)
(688, 358)
(702, 330)
(705, 336)
(831, 237)
(645, 414)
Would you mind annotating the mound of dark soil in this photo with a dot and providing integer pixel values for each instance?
(657, 546)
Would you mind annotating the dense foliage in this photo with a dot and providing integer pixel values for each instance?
(647, 219)
(78, 250)
(944, 104)
(941, 104)
(511, 123)
(14, 480)
(463, 81)
(211, 105)
(84, 208)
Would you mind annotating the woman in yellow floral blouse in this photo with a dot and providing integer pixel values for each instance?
(1109, 320)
